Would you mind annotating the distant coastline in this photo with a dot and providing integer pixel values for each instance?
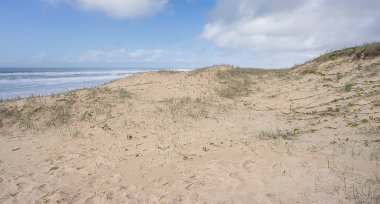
(26, 82)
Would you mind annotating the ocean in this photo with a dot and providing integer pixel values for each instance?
(25, 82)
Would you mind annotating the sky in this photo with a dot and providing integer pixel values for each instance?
(180, 33)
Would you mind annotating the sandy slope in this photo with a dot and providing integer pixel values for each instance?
(220, 135)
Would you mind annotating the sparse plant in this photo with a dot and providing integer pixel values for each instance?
(185, 106)
(76, 134)
(370, 130)
(106, 127)
(87, 115)
(279, 134)
(233, 89)
(365, 120)
(123, 93)
(348, 87)
(352, 124)
(61, 115)
(376, 103)
(168, 72)
(375, 154)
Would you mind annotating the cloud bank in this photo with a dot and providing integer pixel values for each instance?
(118, 8)
(294, 26)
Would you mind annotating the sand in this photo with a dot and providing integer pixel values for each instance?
(309, 134)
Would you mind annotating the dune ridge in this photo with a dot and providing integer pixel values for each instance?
(308, 134)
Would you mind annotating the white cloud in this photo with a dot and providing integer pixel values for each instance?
(118, 8)
(120, 56)
(294, 26)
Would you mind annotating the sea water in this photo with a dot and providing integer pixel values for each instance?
(25, 82)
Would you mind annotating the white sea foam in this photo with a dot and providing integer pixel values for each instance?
(27, 82)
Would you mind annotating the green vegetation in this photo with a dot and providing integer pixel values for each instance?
(376, 103)
(234, 88)
(312, 71)
(168, 72)
(360, 52)
(348, 87)
(279, 134)
(352, 124)
(60, 115)
(123, 93)
(186, 107)
(237, 81)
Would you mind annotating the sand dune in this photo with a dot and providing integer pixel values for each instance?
(309, 134)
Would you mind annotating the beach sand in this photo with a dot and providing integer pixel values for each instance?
(310, 134)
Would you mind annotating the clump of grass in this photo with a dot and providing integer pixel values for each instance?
(279, 134)
(339, 76)
(359, 52)
(370, 130)
(1, 123)
(376, 103)
(337, 100)
(71, 134)
(348, 87)
(87, 115)
(365, 121)
(376, 119)
(106, 127)
(168, 72)
(352, 124)
(60, 115)
(76, 134)
(233, 88)
(237, 81)
(375, 154)
(187, 107)
(312, 71)
(123, 93)
(236, 72)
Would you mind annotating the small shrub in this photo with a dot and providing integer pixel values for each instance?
(365, 121)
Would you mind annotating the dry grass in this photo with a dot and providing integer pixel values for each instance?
(360, 52)
(279, 134)
(186, 107)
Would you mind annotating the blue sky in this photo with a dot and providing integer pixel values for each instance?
(180, 33)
